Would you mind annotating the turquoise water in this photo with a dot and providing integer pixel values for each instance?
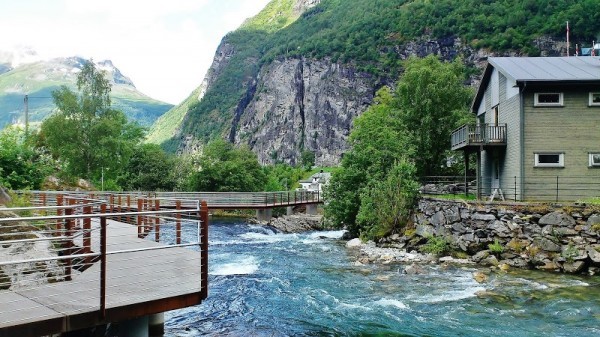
(264, 283)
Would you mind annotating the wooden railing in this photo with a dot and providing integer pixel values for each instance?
(480, 134)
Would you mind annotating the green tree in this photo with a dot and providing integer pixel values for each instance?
(85, 134)
(149, 169)
(433, 101)
(225, 168)
(21, 165)
(378, 142)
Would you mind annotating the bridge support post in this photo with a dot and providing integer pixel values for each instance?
(156, 325)
(289, 210)
(264, 214)
(311, 209)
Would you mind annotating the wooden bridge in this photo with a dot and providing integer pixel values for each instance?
(79, 261)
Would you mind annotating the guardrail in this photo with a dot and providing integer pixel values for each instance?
(535, 188)
(479, 134)
(67, 242)
(119, 201)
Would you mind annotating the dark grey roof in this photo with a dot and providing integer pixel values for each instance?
(574, 69)
(548, 68)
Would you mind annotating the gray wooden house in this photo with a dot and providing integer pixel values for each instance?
(537, 135)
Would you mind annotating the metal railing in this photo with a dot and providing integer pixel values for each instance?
(58, 254)
(118, 201)
(551, 188)
(479, 134)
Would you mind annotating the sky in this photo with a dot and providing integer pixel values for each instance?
(163, 46)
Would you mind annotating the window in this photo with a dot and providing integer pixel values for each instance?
(595, 159)
(594, 99)
(548, 99)
(549, 160)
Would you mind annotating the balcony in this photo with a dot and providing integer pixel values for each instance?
(479, 135)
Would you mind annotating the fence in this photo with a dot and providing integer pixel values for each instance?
(58, 252)
(536, 188)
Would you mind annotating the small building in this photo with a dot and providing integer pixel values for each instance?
(537, 130)
(316, 182)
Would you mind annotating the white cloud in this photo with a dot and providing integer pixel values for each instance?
(163, 46)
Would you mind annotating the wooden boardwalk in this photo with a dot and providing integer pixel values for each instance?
(147, 278)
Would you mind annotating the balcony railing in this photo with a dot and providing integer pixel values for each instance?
(479, 135)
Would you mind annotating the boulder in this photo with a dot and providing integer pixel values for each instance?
(499, 228)
(438, 218)
(593, 254)
(480, 256)
(354, 243)
(483, 217)
(573, 267)
(517, 263)
(425, 230)
(558, 219)
(593, 220)
(548, 245)
(489, 261)
(548, 266)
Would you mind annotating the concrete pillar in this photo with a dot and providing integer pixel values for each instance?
(264, 214)
(311, 209)
(134, 328)
(156, 325)
(289, 210)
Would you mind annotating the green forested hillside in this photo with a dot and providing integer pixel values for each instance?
(370, 34)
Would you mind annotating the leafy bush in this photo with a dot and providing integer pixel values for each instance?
(386, 207)
(436, 245)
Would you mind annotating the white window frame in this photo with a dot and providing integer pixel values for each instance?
(593, 163)
(536, 101)
(561, 159)
(591, 102)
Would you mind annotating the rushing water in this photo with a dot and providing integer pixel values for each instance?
(264, 283)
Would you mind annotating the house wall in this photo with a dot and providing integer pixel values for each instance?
(509, 157)
(573, 129)
(509, 113)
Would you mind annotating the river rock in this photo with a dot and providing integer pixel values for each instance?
(480, 277)
(549, 266)
(480, 256)
(489, 261)
(414, 269)
(573, 267)
(593, 254)
(354, 243)
(297, 223)
(557, 218)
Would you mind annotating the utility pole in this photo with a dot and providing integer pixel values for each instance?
(26, 102)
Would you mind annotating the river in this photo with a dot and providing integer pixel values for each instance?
(263, 283)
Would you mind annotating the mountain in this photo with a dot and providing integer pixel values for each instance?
(38, 78)
(293, 78)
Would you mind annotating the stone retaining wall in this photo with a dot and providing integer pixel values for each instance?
(542, 236)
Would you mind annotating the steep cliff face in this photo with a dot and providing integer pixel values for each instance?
(303, 105)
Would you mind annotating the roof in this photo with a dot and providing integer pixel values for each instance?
(541, 70)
